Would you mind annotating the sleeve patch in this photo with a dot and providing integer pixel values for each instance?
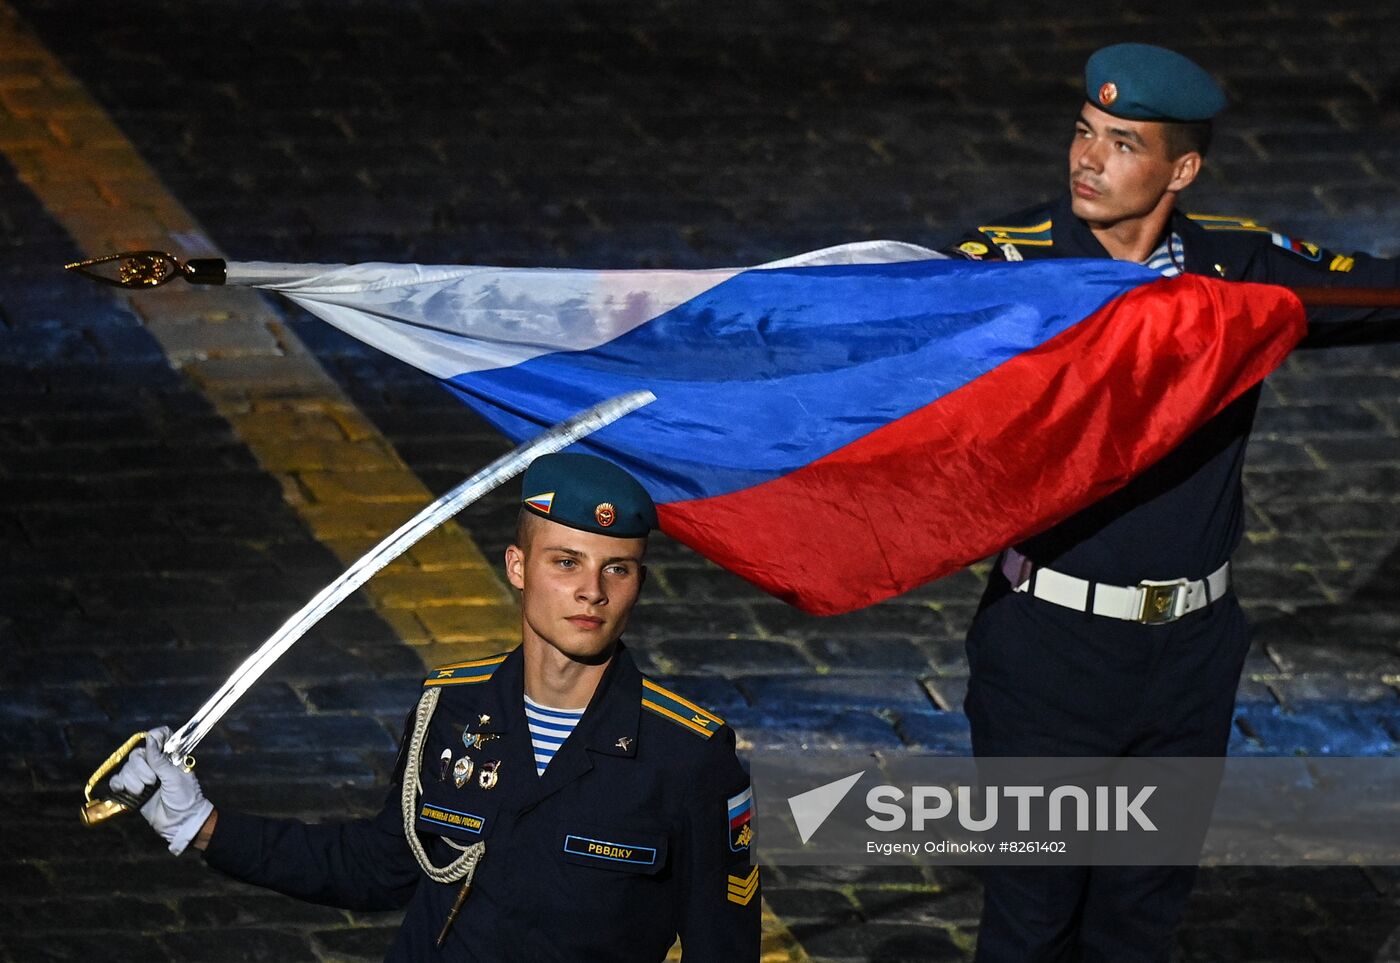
(740, 809)
(742, 889)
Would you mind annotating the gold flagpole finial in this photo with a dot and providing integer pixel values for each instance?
(149, 269)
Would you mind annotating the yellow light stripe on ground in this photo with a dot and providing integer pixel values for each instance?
(779, 945)
(341, 476)
(336, 470)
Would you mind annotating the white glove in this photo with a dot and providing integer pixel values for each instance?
(178, 809)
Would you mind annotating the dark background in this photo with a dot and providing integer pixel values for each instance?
(143, 551)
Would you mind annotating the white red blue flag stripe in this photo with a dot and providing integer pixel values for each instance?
(543, 502)
(740, 807)
(740, 816)
(835, 431)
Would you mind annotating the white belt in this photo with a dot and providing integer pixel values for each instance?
(1148, 602)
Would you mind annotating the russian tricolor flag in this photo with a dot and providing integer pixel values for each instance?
(843, 426)
(740, 810)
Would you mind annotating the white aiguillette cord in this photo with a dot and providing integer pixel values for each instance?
(183, 741)
(465, 864)
(462, 867)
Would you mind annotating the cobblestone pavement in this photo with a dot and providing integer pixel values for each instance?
(159, 516)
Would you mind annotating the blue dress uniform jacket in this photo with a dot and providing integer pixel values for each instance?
(625, 841)
(1184, 517)
(1049, 680)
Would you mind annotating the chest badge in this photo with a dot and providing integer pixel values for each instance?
(444, 764)
(462, 771)
(475, 740)
(490, 774)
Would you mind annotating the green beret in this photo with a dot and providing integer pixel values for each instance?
(1137, 81)
(588, 493)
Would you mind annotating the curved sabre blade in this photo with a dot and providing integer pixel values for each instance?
(182, 742)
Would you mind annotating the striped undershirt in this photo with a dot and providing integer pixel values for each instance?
(1168, 255)
(549, 728)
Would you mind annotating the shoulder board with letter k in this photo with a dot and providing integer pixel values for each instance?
(682, 712)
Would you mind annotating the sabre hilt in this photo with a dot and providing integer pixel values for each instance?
(150, 269)
(117, 801)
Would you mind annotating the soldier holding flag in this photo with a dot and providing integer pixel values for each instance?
(1115, 632)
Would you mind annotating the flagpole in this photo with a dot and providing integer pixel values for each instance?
(149, 269)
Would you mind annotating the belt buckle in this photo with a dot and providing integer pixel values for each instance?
(1162, 601)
